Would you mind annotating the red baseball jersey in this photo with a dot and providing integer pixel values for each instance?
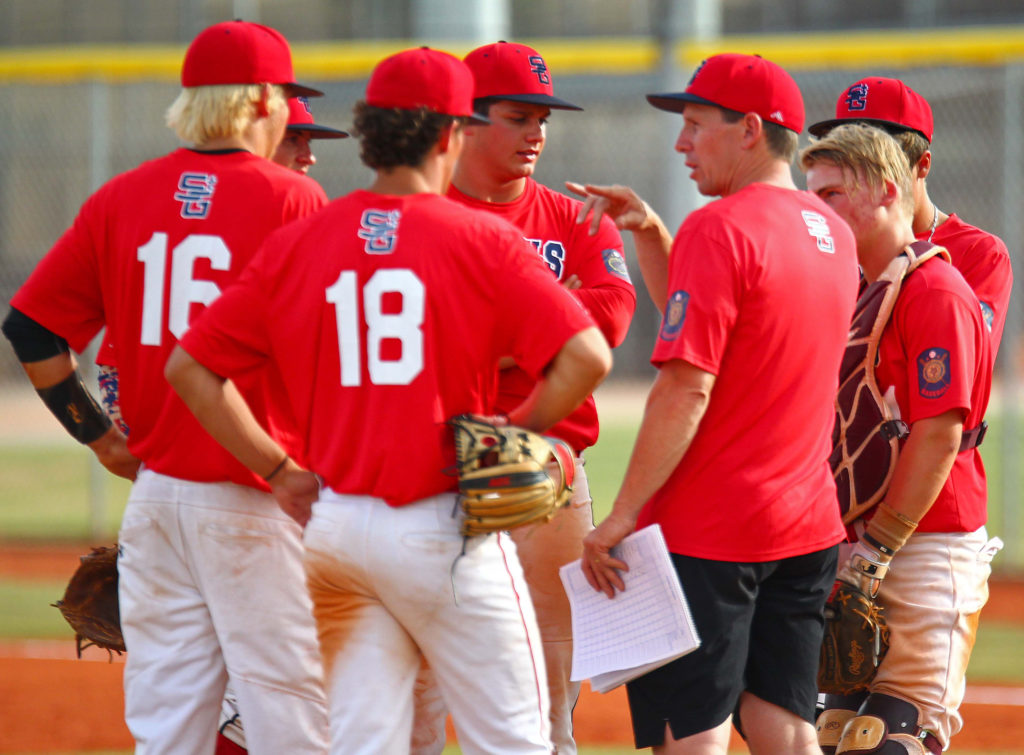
(548, 221)
(984, 262)
(936, 356)
(386, 316)
(145, 255)
(762, 288)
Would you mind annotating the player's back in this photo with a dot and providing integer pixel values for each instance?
(146, 253)
(415, 299)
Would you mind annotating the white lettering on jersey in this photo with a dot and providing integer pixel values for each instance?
(185, 290)
(817, 227)
(553, 253)
(404, 326)
(379, 228)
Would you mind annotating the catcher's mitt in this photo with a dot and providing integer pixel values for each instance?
(503, 477)
(855, 642)
(90, 602)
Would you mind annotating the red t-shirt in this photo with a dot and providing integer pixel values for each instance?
(145, 254)
(935, 353)
(762, 288)
(984, 262)
(386, 316)
(548, 221)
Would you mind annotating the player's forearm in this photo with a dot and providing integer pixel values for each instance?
(223, 413)
(576, 371)
(611, 307)
(49, 372)
(653, 245)
(675, 406)
(924, 464)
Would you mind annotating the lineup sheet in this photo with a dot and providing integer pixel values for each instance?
(644, 627)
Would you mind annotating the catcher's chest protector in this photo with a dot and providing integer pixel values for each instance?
(866, 436)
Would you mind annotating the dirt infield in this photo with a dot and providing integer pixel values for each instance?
(53, 702)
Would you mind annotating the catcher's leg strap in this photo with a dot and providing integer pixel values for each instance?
(830, 724)
(833, 713)
(887, 725)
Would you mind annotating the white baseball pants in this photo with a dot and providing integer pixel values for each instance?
(212, 586)
(542, 549)
(932, 599)
(391, 583)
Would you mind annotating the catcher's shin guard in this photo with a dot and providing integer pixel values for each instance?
(835, 712)
(887, 725)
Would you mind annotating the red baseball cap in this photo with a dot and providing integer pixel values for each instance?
(744, 83)
(426, 78)
(514, 72)
(240, 52)
(300, 118)
(888, 103)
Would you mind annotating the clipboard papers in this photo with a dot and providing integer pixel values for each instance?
(618, 639)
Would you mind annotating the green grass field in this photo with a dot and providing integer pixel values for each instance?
(44, 496)
(44, 489)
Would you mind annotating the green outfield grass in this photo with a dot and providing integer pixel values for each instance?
(44, 489)
(44, 496)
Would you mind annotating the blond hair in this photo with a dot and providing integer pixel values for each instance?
(864, 154)
(201, 114)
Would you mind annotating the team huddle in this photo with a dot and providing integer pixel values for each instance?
(281, 375)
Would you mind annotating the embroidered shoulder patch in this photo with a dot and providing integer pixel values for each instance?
(675, 314)
(615, 264)
(933, 372)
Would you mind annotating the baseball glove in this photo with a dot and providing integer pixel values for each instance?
(855, 642)
(503, 475)
(90, 603)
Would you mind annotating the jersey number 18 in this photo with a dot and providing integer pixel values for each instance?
(405, 326)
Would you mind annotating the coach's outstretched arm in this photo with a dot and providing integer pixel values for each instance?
(577, 369)
(52, 370)
(631, 213)
(675, 406)
(224, 414)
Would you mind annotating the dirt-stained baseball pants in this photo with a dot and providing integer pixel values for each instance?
(932, 597)
(211, 586)
(391, 583)
(542, 550)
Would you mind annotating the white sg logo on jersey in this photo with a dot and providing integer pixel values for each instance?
(379, 228)
(817, 226)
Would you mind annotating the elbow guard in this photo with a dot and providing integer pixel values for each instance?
(31, 341)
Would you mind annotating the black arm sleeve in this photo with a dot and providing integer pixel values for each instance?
(31, 341)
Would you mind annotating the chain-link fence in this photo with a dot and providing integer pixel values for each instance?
(60, 139)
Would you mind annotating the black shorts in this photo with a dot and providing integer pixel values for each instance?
(760, 626)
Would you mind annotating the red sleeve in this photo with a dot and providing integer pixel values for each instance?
(938, 330)
(606, 289)
(705, 286)
(542, 314)
(64, 292)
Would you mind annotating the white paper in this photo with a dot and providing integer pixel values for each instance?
(641, 628)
